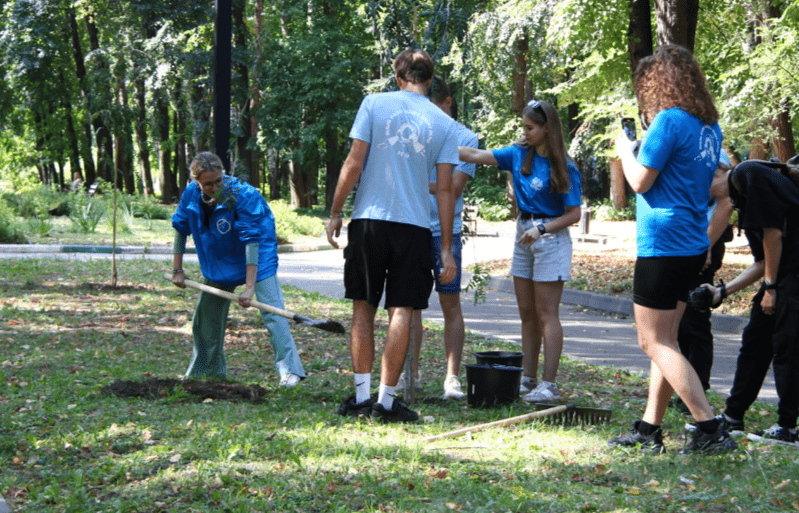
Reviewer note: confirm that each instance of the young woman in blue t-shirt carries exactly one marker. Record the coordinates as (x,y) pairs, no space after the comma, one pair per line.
(671,175)
(547,190)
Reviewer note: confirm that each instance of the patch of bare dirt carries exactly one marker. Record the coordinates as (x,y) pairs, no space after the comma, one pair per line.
(157,388)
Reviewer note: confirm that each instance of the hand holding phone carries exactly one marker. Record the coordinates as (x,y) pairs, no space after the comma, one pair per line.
(628,125)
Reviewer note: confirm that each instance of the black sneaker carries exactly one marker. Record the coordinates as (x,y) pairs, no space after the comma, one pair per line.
(350,408)
(728,424)
(399,413)
(777,432)
(702,442)
(652,443)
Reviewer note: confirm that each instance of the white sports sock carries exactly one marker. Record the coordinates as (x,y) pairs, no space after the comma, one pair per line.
(363,384)
(385,396)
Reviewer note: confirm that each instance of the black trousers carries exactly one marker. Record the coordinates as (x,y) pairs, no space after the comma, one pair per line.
(766,338)
(694,336)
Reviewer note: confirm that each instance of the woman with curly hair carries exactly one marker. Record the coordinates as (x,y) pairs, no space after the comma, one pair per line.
(547,188)
(671,176)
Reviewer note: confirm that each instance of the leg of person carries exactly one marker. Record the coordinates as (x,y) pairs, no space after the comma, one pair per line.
(552,254)
(208,330)
(409,281)
(522,268)
(657,336)
(531,329)
(754,360)
(416,349)
(454,331)
(287,359)
(695,339)
(364,276)
(786,358)
(547,304)
(454,334)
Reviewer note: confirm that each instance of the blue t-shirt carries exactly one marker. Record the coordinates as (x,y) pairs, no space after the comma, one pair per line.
(533,191)
(465,138)
(222,241)
(672,214)
(407,137)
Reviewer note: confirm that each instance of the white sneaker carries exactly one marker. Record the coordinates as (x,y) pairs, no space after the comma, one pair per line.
(417,384)
(289,380)
(527,385)
(452,389)
(544,393)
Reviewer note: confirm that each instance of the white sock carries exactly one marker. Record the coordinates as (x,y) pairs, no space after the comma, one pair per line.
(363,384)
(385,396)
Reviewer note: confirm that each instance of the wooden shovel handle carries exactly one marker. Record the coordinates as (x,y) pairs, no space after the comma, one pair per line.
(233,297)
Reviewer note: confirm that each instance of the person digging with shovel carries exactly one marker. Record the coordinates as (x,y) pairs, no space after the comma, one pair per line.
(234,233)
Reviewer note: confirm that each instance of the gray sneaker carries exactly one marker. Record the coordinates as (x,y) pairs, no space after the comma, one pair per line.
(527,385)
(777,432)
(543,393)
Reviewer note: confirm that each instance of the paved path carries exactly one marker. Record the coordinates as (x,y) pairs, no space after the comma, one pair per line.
(591,334)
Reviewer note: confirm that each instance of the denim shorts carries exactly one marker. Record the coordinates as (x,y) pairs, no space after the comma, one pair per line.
(548,259)
(453,287)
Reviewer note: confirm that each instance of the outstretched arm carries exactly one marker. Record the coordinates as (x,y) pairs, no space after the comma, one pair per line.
(475,156)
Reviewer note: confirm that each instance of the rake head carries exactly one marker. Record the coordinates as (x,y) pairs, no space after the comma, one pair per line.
(576,415)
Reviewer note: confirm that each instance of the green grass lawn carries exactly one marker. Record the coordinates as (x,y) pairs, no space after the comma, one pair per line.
(65,446)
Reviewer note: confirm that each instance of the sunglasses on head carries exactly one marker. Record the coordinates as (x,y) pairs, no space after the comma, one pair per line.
(536,104)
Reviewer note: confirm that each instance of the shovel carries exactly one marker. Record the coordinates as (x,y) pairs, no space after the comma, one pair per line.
(331,326)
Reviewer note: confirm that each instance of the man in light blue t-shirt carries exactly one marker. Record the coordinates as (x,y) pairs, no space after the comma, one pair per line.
(398,138)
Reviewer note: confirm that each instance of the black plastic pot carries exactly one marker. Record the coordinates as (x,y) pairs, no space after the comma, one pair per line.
(510,358)
(490,385)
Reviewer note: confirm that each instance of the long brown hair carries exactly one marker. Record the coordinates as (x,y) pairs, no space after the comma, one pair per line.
(671,78)
(541,112)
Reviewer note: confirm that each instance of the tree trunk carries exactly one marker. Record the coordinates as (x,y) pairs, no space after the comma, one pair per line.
(783,141)
(618,186)
(303,184)
(101,101)
(123,146)
(676,22)
(80,73)
(140,125)
(245,162)
(255,94)
(273,165)
(181,161)
(74,154)
(168,187)
(519,75)
(639,33)
(333,164)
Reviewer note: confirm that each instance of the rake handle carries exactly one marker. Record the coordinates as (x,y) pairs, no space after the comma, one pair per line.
(504,422)
(233,297)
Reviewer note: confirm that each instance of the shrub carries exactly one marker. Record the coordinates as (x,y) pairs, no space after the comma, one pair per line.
(40,225)
(85,212)
(9,231)
(289,225)
(149,209)
(605,211)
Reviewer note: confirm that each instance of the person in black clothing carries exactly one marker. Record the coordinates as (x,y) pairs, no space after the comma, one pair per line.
(768,209)
(694,335)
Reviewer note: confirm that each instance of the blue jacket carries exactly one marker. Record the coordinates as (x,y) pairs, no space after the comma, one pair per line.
(242,218)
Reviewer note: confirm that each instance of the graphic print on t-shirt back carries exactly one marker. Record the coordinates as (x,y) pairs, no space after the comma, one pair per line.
(709,147)
(410,130)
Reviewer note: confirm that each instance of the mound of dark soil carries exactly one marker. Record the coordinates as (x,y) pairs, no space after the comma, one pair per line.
(157,388)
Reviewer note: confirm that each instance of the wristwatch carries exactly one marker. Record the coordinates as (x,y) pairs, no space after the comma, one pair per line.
(541,228)
(769,286)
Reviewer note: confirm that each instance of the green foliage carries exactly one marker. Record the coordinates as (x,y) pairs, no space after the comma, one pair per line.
(479,282)
(9,231)
(149,208)
(289,225)
(85,212)
(40,225)
(604,211)
(487,191)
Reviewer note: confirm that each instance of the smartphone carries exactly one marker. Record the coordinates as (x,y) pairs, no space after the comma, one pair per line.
(628,124)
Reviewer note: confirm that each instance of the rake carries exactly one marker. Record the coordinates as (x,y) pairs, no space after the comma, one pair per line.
(567,413)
